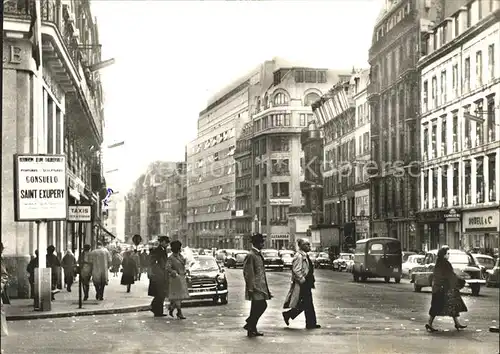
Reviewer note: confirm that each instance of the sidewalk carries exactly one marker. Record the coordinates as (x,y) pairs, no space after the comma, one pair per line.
(116,300)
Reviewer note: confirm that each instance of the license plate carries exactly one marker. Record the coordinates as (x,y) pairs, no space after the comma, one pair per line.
(396,269)
(197,290)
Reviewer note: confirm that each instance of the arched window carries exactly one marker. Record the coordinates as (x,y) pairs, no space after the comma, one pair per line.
(311,98)
(280,99)
(266,102)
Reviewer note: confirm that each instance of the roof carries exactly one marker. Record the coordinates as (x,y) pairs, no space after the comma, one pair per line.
(377,239)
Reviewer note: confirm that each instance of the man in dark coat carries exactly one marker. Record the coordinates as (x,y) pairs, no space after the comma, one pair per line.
(256,288)
(158,282)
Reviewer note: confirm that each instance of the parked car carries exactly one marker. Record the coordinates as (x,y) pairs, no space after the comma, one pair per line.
(463,264)
(405,255)
(322,260)
(377,257)
(485,262)
(272,259)
(493,275)
(235,259)
(287,257)
(414,260)
(206,280)
(342,261)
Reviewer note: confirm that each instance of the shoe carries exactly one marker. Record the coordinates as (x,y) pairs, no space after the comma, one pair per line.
(161,315)
(429,328)
(459,327)
(317,326)
(85,298)
(181,317)
(286,318)
(258,334)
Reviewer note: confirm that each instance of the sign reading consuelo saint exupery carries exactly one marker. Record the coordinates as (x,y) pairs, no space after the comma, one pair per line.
(40,187)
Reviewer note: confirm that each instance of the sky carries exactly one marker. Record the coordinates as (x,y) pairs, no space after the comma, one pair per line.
(172,56)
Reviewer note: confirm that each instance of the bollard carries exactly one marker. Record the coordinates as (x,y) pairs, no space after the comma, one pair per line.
(43,299)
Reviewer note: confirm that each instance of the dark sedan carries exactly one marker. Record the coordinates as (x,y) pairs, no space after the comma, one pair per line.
(207,280)
(272,259)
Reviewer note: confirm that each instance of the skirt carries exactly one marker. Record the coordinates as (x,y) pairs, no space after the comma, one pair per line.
(127,279)
(447,303)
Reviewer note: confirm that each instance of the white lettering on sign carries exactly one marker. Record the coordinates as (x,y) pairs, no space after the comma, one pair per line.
(81,213)
(41,187)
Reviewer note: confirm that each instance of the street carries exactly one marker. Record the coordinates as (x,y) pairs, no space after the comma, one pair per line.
(373,317)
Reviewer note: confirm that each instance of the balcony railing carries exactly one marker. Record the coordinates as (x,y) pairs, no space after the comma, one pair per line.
(57,13)
(279,222)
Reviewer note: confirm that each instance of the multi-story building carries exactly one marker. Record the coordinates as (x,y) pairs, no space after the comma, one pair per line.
(312,187)
(72,101)
(210,158)
(393,95)
(361,217)
(244,218)
(133,210)
(460,129)
(282,110)
(210,169)
(182,204)
(171,213)
(336,114)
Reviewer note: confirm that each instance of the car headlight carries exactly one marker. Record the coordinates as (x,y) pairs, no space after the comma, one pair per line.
(220,278)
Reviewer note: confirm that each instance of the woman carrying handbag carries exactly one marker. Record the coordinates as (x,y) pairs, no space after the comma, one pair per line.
(446,298)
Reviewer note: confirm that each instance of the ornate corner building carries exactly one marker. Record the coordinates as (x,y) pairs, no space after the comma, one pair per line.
(72,101)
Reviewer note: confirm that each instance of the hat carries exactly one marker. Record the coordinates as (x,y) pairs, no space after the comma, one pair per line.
(164,238)
(256,238)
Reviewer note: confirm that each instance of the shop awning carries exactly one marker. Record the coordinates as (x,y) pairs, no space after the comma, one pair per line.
(107,231)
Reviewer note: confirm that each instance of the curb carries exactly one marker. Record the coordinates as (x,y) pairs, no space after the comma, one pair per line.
(44,315)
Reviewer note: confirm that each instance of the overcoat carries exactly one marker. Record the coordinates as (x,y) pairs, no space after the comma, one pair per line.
(446,298)
(129,271)
(254,273)
(69,263)
(100,259)
(300,269)
(176,269)
(158,278)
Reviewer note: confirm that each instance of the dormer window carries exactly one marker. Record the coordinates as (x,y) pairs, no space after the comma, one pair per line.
(280,99)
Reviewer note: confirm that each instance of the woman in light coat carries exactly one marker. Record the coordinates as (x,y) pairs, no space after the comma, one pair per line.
(177,290)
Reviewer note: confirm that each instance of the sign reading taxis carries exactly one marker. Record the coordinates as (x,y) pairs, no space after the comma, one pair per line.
(80,213)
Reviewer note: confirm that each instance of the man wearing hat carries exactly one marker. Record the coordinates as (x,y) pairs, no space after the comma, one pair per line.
(256,289)
(158,281)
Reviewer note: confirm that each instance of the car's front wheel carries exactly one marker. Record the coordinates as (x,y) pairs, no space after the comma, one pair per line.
(223,299)
(417,288)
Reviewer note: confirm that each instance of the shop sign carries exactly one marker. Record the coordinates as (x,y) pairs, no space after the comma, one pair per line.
(452,216)
(482,221)
(280,201)
(40,187)
(280,237)
(80,213)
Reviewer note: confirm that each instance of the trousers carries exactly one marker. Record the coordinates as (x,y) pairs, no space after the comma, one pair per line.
(305,305)
(157,305)
(257,309)
(99,290)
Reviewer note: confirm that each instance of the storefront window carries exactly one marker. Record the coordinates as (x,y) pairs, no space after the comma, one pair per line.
(492,176)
